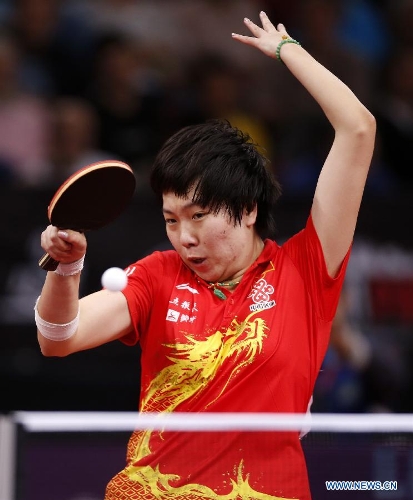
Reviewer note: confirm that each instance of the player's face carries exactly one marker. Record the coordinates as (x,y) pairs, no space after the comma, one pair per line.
(210,244)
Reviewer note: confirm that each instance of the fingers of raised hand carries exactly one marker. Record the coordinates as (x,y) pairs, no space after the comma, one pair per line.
(266,23)
(281,29)
(267,38)
(255,30)
(267,27)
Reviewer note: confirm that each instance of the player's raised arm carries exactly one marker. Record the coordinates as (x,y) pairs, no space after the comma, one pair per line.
(343,176)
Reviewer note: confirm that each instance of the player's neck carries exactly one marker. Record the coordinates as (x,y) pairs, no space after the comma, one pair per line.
(230,284)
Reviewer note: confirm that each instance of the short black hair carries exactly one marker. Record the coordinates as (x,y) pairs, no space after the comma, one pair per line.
(224,166)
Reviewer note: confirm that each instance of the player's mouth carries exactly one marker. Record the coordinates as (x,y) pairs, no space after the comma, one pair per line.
(196,261)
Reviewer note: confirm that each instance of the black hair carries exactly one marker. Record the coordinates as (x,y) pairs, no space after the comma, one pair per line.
(225,168)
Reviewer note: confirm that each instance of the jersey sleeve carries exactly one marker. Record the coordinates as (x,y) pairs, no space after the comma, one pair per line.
(147,282)
(305,250)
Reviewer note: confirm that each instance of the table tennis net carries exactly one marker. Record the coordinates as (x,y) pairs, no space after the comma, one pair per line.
(72,455)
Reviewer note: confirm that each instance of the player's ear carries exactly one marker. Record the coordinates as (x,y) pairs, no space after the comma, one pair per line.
(251,216)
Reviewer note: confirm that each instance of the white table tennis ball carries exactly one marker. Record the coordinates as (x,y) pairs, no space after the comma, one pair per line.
(114,279)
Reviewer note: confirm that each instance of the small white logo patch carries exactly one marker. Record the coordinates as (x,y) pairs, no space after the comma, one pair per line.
(185,286)
(172,315)
(262,305)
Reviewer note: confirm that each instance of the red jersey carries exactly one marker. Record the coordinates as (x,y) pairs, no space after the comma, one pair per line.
(260,350)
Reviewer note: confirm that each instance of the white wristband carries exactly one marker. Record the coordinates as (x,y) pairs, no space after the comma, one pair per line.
(53,331)
(71,268)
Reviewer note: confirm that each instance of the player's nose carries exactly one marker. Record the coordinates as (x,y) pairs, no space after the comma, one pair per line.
(188,236)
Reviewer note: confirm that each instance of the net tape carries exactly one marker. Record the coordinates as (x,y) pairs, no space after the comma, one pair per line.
(179,421)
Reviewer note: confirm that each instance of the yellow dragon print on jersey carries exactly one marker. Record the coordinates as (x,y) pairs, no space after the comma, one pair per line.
(194,365)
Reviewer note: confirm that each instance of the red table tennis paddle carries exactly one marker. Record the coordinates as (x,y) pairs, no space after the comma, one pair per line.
(89,199)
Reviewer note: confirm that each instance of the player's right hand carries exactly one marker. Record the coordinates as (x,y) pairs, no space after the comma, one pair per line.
(63,245)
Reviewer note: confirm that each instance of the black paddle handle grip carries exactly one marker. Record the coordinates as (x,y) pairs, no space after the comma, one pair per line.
(47,263)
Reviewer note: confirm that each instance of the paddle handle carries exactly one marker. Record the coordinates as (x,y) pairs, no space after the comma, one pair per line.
(47,263)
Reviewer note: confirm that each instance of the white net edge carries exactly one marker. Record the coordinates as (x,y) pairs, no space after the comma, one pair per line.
(58,421)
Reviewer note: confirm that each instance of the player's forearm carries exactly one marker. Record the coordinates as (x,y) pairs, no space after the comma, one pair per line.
(59,299)
(57,314)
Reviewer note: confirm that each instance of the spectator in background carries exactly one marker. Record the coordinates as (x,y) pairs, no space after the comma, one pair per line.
(74,143)
(24,122)
(394,111)
(363,29)
(399,16)
(181,29)
(217,88)
(341,385)
(136,20)
(182,34)
(129,110)
(365,368)
(56,46)
(198,20)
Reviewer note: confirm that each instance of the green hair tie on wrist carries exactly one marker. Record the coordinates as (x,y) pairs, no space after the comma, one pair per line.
(283,41)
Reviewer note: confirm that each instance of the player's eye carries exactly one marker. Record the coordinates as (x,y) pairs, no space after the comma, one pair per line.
(169,222)
(199,215)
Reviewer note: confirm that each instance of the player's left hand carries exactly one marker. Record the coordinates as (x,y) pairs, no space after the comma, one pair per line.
(266,38)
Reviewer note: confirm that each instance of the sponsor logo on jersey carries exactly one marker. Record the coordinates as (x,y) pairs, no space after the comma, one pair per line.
(261,295)
(130,270)
(185,286)
(172,315)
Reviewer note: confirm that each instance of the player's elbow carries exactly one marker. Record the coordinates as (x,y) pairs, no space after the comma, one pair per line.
(366,125)
(358,124)
(360,135)
(51,348)
(51,353)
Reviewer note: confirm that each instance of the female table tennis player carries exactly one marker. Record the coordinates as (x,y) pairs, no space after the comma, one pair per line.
(229,320)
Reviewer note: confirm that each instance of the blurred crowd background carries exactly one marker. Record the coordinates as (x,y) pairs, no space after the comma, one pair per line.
(87,80)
